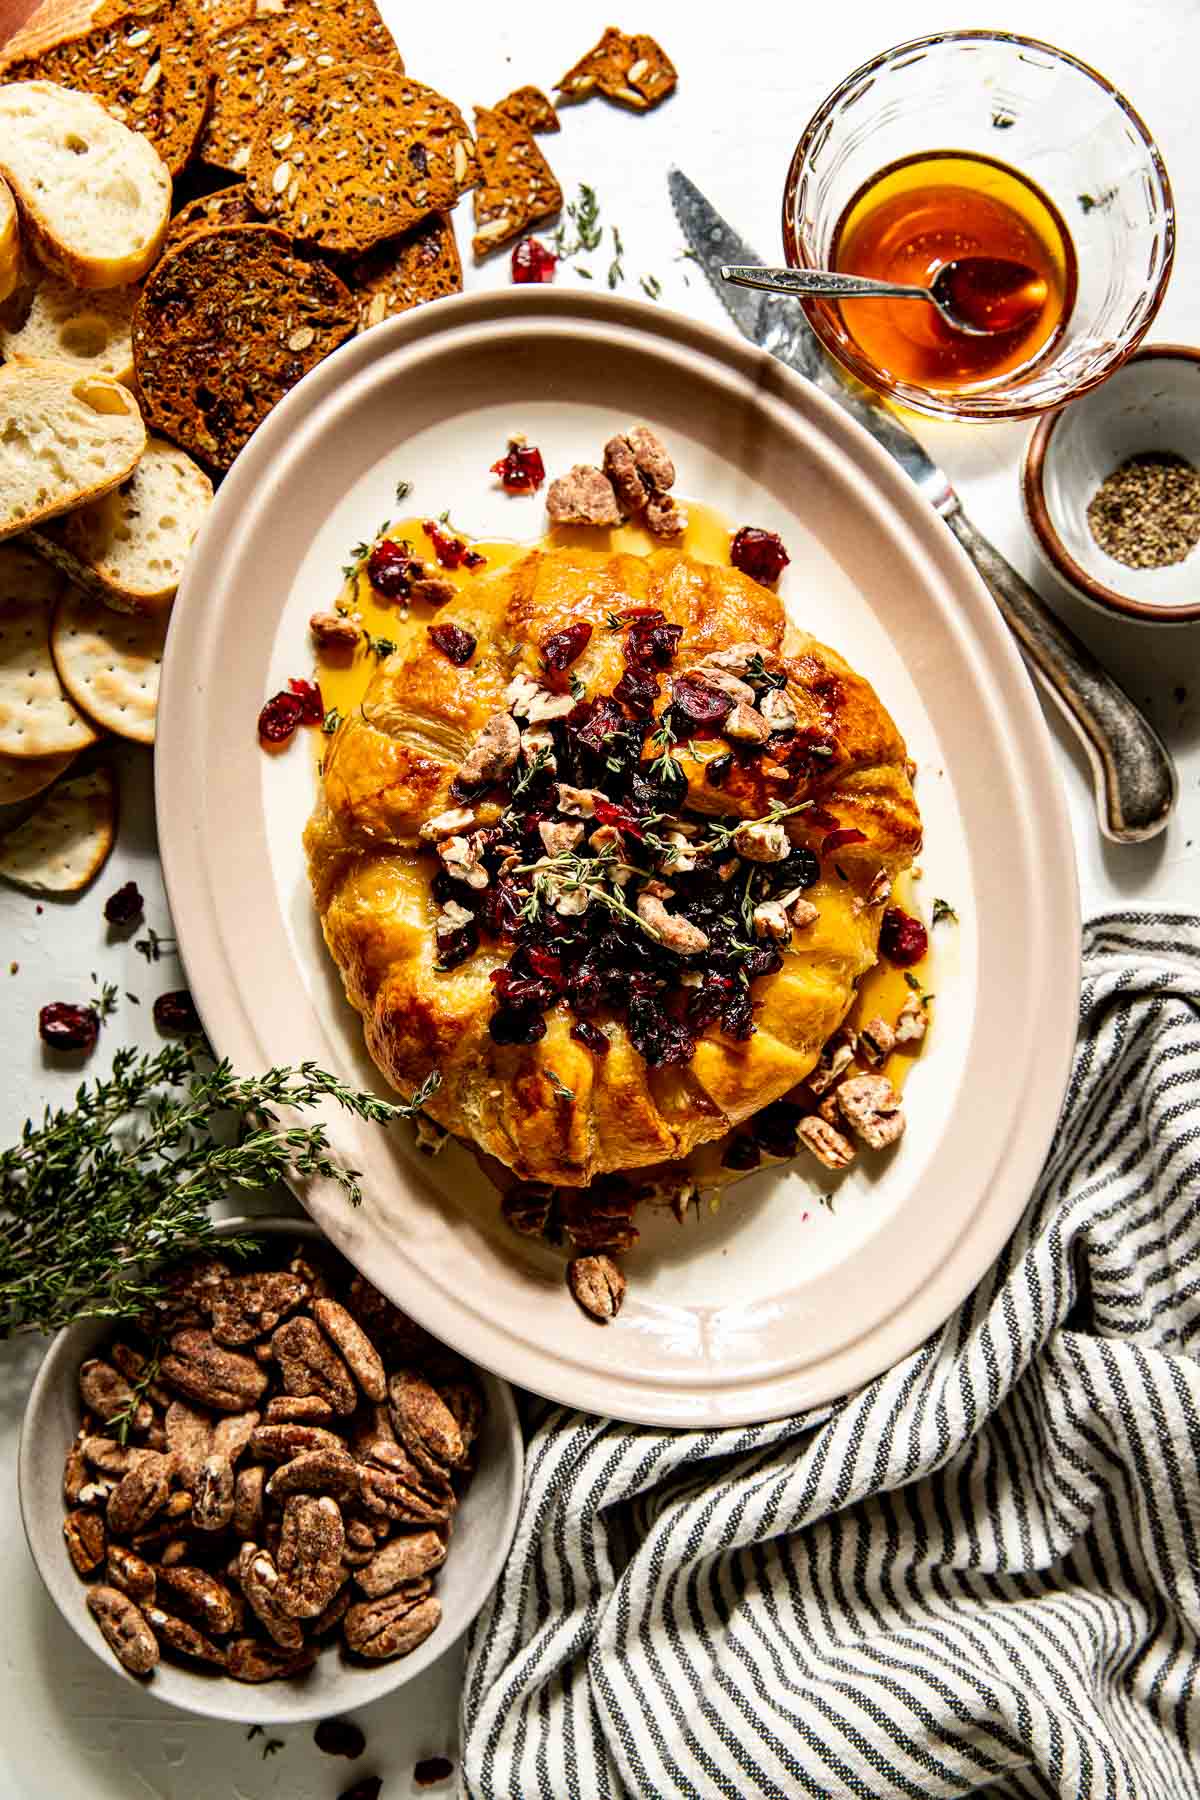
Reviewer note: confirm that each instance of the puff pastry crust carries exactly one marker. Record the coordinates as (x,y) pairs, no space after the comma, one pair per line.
(390,768)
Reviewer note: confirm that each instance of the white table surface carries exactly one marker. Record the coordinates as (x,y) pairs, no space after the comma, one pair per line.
(749,78)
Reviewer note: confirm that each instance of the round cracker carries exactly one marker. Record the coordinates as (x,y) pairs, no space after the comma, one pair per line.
(21,777)
(109,662)
(63,846)
(36,717)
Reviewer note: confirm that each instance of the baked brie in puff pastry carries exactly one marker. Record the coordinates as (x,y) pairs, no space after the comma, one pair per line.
(608,847)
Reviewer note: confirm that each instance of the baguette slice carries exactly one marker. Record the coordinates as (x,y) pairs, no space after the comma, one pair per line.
(65,438)
(10,242)
(49,320)
(94,198)
(128,548)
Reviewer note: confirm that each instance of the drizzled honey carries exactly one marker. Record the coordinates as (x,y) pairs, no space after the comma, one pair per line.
(919,214)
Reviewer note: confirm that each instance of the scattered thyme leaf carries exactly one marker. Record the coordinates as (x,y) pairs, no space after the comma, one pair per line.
(560,1087)
(530,773)
(104,999)
(578,691)
(379,646)
(943,910)
(614,622)
(331,721)
(651,286)
(153,947)
(271,1747)
(403,490)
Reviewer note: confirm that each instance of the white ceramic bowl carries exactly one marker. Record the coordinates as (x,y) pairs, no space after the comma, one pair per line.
(484,1527)
(1151,403)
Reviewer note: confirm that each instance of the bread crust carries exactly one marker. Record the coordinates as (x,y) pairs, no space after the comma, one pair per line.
(390,767)
(10,242)
(49,389)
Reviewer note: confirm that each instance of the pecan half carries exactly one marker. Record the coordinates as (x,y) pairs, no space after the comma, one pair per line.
(464,1402)
(124,1626)
(75,1474)
(310,1555)
(392,1626)
(332,1472)
(182,1638)
(212,1509)
(334,1613)
(405,1498)
(402,1560)
(202,1370)
(251,1660)
(85,1540)
(232,1433)
(356,1348)
(105,1391)
(298,1409)
(126,1570)
(201,1595)
(280,1442)
(597,1285)
(309,1365)
(827,1143)
(871,1106)
(248,1500)
(259,1579)
(110,1457)
(250,1306)
(189,1439)
(139,1495)
(424,1423)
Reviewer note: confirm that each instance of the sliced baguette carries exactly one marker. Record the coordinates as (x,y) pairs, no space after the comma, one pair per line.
(65,438)
(94,198)
(129,547)
(49,320)
(10,242)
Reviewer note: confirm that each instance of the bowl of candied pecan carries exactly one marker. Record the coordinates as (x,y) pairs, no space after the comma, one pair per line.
(272,1496)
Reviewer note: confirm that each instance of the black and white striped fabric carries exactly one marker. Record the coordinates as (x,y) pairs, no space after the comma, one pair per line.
(980,1574)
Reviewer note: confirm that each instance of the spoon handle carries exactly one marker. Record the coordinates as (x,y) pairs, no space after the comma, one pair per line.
(1134,776)
(826,284)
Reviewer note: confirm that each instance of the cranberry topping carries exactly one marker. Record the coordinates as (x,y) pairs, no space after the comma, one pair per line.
(66,1027)
(837,840)
(716,772)
(454,947)
(516,1025)
(531,261)
(637,690)
(698,705)
(759,554)
(312,707)
(594,722)
(125,906)
(562,648)
(591,1036)
(176,1011)
(279,718)
(650,641)
(902,939)
(453,642)
(521,469)
(391,569)
(799,868)
(451,551)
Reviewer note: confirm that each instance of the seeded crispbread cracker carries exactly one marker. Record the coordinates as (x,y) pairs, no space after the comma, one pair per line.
(528,106)
(63,846)
(49,319)
(225,326)
(228,206)
(21,777)
(262,61)
(634,70)
(147,64)
(422,265)
(36,717)
(356,156)
(518,186)
(109,663)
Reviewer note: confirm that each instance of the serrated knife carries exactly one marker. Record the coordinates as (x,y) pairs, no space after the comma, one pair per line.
(1134,776)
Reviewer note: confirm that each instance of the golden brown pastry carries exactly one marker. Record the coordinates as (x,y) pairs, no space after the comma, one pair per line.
(661,973)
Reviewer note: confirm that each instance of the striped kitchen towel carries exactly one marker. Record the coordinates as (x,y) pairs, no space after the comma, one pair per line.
(979,1574)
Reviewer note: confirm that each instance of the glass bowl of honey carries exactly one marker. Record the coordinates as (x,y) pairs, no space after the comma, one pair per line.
(982,143)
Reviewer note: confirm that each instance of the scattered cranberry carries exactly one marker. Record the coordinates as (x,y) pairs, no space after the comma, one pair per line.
(279,718)
(741,1152)
(638,690)
(521,469)
(698,704)
(177,1012)
(650,642)
(531,261)
(391,569)
(454,947)
(453,642)
(774,1128)
(340,1737)
(433,1770)
(126,906)
(516,1025)
(312,707)
(609,813)
(837,840)
(594,723)
(451,551)
(562,648)
(759,554)
(591,1036)
(902,939)
(66,1027)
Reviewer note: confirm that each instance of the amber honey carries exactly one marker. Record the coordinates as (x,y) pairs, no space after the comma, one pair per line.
(913,218)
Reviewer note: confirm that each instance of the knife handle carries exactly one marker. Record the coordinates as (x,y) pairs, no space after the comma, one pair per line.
(1134,776)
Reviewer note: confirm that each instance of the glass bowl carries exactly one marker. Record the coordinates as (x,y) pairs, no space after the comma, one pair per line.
(1055,121)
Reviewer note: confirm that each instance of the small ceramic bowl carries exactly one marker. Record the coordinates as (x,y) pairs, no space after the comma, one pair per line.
(1151,403)
(483,1531)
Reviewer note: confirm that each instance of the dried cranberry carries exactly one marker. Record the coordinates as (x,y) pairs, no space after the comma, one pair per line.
(432,1770)
(741,1152)
(799,868)
(638,690)
(760,961)
(661,1040)
(474,559)
(591,1037)
(521,469)
(545,963)
(651,640)
(392,569)
(594,722)
(521,991)
(902,939)
(716,772)
(609,813)
(759,554)
(453,642)
(737,1020)
(340,1737)
(561,648)
(450,551)
(66,1027)
(454,947)
(279,718)
(708,1002)
(775,1128)
(697,704)
(516,1025)
(837,840)
(502,903)
(312,707)
(531,261)
(125,906)
(176,1011)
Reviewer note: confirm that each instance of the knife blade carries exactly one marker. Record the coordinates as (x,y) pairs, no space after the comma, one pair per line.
(1134,777)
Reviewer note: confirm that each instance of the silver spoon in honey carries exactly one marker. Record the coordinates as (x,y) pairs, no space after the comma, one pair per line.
(981,296)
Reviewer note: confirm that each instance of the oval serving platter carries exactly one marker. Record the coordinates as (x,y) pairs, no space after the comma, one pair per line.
(795,1291)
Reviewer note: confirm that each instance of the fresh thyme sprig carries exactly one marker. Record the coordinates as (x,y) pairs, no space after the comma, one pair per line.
(530,773)
(942,909)
(154,946)
(723,831)
(361,552)
(97,1194)
(584,215)
(570,873)
(120,1423)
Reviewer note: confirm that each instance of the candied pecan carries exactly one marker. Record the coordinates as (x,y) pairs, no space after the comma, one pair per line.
(133,1366)
(464,1401)
(333,631)
(671,930)
(835,1058)
(110,1457)
(424,1424)
(391,1626)
(131,1573)
(620,466)
(665,517)
(189,1439)
(203,1370)
(182,1638)
(333,1614)
(584,497)
(652,457)
(85,1540)
(104,1390)
(762,840)
(251,1660)
(260,1583)
(75,1475)
(356,1348)
(212,1508)
(826,1142)
(601,1217)
(249,1306)
(597,1285)
(876,1041)
(871,1106)
(316,1472)
(201,1595)
(173,1552)
(403,1497)
(912,1021)
(310,1555)
(248,1489)
(124,1626)
(232,1434)
(139,1495)
(404,1559)
(279,1442)
(494,753)
(298,1409)
(309,1365)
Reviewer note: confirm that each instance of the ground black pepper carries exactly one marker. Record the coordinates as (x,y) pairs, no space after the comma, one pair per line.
(1146,514)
